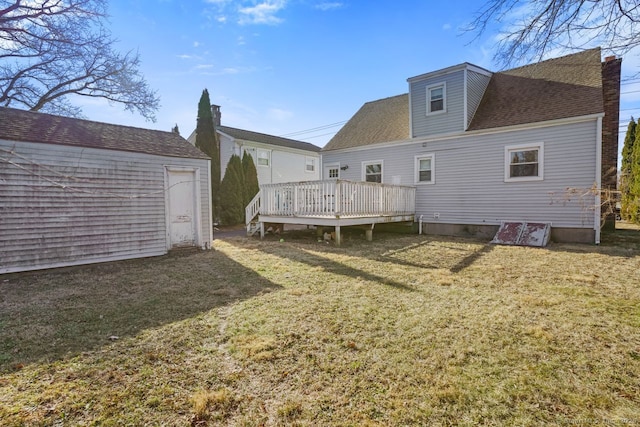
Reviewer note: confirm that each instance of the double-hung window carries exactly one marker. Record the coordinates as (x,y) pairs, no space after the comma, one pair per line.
(310,164)
(425,169)
(436,98)
(524,162)
(264,158)
(372,171)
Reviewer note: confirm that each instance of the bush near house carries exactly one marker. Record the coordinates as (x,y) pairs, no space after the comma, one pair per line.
(251,185)
(232,193)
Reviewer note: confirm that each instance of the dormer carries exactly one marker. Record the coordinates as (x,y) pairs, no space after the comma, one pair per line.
(445,101)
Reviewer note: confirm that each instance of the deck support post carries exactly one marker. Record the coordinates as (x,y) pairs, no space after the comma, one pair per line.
(369,233)
(319,231)
(337,235)
(261,230)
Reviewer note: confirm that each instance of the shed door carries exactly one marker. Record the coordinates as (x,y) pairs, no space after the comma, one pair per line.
(182,208)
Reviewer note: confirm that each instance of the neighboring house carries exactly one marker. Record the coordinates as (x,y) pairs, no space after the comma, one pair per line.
(527,144)
(76,192)
(277,159)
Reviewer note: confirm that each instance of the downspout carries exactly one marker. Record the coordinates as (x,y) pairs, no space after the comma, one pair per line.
(597,212)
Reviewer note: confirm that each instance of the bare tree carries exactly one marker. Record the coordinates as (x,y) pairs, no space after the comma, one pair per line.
(53,49)
(531,28)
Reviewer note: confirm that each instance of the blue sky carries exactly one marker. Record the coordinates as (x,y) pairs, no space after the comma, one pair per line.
(285,66)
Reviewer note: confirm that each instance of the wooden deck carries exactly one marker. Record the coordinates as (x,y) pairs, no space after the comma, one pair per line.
(331,203)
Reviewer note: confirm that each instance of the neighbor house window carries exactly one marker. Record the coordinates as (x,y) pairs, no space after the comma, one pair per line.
(372,171)
(436,101)
(264,157)
(334,173)
(310,165)
(524,162)
(425,169)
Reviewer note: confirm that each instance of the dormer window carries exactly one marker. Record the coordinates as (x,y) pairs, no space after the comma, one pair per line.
(436,99)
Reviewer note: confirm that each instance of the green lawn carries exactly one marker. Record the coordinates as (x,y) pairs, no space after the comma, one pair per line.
(404,330)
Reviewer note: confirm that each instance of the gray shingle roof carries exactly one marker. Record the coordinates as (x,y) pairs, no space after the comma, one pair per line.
(20,125)
(569,86)
(376,121)
(247,135)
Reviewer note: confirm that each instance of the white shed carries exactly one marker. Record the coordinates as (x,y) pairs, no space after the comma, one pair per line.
(77,192)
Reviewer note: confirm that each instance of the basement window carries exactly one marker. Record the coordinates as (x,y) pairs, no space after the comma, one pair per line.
(524,162)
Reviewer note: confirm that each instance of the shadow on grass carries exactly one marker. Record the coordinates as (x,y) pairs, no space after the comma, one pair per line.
(306,257)
(48,315)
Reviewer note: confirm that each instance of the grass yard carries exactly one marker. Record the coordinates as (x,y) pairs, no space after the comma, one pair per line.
(405,330)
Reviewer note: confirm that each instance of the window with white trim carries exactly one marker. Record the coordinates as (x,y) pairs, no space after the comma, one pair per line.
(524,162)
(264,158)
(372,171)
(310,164)
(425,169)
(334,172)
(436,98)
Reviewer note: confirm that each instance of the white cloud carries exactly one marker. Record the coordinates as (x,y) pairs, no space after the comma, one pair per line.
(329,6)
(262,13)
(196,44)
(279,114)
(221,19)
(204,66)
(184,56)
(446,27)
(241,41)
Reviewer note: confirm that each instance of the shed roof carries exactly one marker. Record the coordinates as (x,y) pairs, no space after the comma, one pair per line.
(263,138)
(569,86)
(30,126)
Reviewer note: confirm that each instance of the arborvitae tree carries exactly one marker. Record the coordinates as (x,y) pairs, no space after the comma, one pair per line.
(251,186)
(232,193)
(207,141)
(634,184)
(626,177)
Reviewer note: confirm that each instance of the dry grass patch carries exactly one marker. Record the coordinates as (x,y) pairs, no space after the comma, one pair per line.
(405,330)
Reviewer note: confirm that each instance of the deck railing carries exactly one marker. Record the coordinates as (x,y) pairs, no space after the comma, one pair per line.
(336,198)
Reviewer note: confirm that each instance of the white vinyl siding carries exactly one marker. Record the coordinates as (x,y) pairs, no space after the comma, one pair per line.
(76,205)
(476,85)
(470,185)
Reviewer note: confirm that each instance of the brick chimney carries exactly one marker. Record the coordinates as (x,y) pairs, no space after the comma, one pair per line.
(215,112)
(611,69)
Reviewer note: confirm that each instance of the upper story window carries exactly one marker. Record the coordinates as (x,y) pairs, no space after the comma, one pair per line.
(524,162)
(436,98)
(372,171)
(310,164)
(425,169)
(264,157)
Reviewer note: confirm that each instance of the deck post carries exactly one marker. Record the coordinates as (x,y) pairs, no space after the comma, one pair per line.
(369,233)
(337,235)
(261,230)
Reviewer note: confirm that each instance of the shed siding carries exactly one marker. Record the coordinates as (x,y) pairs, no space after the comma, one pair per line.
(469,176)
(447,122)
(64,205)
(476,85)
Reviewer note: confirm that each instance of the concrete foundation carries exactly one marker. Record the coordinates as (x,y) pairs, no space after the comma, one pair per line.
(558,234)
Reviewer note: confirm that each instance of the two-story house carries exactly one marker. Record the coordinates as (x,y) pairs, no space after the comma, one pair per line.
(277,159)
(535,143)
